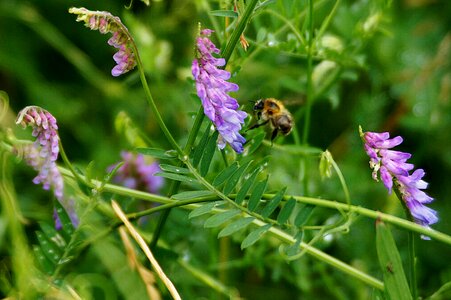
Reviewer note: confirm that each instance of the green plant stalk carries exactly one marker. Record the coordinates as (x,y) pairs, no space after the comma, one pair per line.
(153,106)
(326,258)
(310,92)
(22,266)
(399,222)
(173,189)
(289,239)
(228,50)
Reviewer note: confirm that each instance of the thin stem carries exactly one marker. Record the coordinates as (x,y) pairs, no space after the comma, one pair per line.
(228,50)
(310,92)
(71,168)
(176,184)
(326,258)
(152,104)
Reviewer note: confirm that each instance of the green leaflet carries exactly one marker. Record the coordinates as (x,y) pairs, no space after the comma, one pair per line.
(224,13)
(49,249)
(273,203)
(221,218)
(206,208)
(43,261)
(225,174)
(233,181)
(245,188)
(174,169)
(176,177)
(53,235)
(235,226)
(199,150)
(68,228)
(255,236)
(304,213)
(157,153)
(257,194)
(396,286)
(207,156)
(286,211)
(191,195)
(255,143)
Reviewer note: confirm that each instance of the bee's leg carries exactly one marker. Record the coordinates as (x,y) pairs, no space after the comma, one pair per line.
(256,125)
(274,134)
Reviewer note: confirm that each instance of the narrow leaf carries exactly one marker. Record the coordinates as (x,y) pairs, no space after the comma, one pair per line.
(206,208)
(233,181)
(191,195)
(208,154)
(255,236)
(255,143)
(235,226)
(294,248)
(176,177)
(224,13)
(395,281)
(257,194)
(43,261)
(53,235)
(174,169)
(68,227)
(225,174)
(273,203)
(199,150)
(221,218)
(157,153)
(50,250)
(304,213)
(286,211)
(245,188)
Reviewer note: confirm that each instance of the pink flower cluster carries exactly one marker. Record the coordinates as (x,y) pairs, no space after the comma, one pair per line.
(394,172)
(212,88)
(42,155)
(105,22)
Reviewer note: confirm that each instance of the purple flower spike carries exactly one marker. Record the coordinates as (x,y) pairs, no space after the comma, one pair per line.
(43,153)
(395,173)
(136,173)
(105,22)
(212,88)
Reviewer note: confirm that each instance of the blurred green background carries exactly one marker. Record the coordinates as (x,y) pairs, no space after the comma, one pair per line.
(386,68)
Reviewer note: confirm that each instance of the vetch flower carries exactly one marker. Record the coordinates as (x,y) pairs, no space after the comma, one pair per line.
(43,153)
(136,173)
(105,22)
(395,173)
(212,88)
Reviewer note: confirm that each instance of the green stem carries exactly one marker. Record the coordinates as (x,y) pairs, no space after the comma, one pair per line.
(176,184)
(152,104)
(310,92)
(326,258)
(66,161)
(402,223)
(228,50)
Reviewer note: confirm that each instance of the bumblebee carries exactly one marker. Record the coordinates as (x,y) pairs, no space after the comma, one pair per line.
(273,111)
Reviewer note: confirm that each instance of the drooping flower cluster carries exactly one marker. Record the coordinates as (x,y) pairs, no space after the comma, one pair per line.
(395,173)
(43,153)
(212,88)
(136,173)
(105,22)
